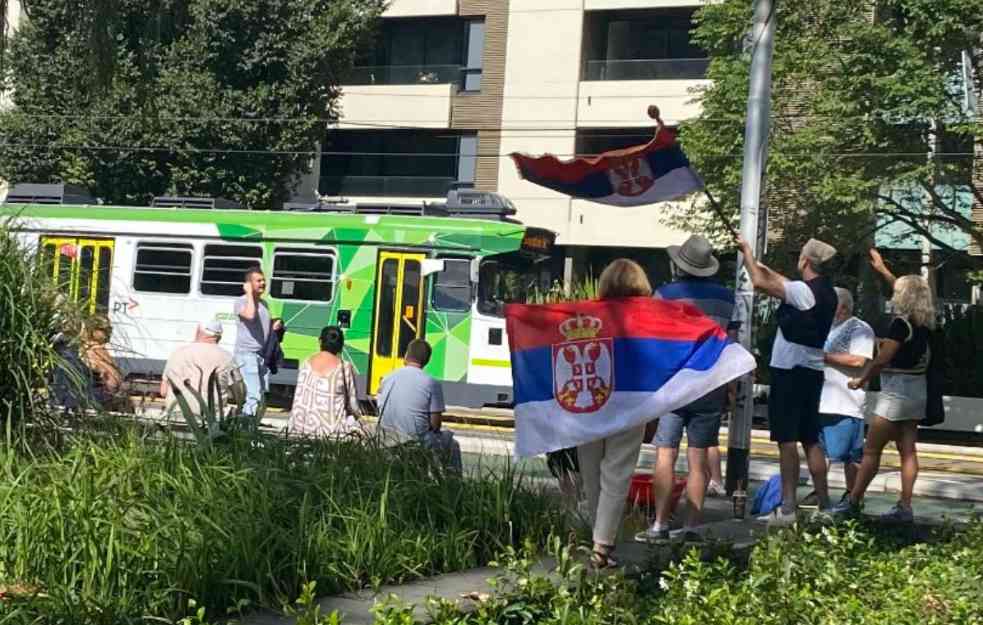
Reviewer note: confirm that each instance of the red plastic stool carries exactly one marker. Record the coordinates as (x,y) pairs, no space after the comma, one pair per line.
(641,494)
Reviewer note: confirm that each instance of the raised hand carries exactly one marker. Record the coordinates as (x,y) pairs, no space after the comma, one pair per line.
(876,260)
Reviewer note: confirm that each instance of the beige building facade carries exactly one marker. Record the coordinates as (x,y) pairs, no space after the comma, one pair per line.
(454,86)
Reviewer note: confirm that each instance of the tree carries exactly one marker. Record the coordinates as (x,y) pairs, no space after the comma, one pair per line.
(862,93)
(135,99)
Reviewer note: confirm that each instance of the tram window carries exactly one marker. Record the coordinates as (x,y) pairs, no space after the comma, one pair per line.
(102,287)
(160,268)
(306,275)
(387,307)
(48,258)
(224,268)
(452,286)
(411,315)
(86,261)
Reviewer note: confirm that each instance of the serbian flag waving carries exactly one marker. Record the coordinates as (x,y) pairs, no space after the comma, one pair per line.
(582,371)
(655,172)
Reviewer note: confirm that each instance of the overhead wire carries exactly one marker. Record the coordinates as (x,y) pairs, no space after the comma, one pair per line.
(174,149)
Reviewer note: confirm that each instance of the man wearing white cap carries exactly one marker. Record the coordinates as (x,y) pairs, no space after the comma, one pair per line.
(797,363)
(192,365)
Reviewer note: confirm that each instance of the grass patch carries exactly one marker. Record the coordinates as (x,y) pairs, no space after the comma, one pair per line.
(819,575)
(120,529)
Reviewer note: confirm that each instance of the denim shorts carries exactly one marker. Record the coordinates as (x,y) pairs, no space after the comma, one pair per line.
(702,429)
(842,437)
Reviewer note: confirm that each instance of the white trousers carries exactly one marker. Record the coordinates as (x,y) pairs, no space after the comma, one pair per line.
(606,467)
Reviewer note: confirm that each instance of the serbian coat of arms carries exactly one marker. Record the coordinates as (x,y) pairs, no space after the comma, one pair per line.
(583,366)
(632,176)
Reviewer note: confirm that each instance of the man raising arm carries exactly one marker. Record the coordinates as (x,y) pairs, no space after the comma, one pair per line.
(797,361)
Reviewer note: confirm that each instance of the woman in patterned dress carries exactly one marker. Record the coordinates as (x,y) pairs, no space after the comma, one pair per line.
(326,399)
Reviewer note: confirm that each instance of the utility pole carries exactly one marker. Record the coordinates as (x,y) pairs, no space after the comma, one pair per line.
(755,156)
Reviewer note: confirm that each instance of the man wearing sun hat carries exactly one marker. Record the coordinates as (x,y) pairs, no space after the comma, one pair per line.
(192,365)
(797,362)
(694,267)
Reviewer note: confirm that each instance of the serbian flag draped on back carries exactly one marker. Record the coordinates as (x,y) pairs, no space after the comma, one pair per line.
(582,371)
(655,172)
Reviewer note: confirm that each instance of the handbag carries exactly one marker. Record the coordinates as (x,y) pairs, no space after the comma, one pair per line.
(935,380)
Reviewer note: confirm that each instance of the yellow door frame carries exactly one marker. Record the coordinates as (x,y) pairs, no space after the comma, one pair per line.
(412,312)
(96,275)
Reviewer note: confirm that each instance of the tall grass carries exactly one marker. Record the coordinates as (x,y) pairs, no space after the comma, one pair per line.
(31,314)
(27,323)
(584,289)
(116,530)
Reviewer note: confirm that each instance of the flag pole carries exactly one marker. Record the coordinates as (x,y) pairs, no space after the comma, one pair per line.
(720,213)
(755,156)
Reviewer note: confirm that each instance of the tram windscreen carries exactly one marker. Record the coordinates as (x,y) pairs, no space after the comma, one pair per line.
(509,279)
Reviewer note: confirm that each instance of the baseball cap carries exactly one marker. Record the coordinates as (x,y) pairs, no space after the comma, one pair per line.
(212,327)
(818,252)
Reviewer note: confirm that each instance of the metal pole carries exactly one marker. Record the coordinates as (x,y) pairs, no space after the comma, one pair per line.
(755,156)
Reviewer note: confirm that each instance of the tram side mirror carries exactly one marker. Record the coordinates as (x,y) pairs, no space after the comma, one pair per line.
(475,268)
(431,266)
(344,319)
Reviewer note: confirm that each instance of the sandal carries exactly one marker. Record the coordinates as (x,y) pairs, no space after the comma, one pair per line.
(600,558)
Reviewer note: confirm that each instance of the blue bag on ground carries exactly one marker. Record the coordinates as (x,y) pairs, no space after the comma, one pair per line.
(768,497)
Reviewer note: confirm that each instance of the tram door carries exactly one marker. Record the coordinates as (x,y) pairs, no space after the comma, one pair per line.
(81,269)
(399,314)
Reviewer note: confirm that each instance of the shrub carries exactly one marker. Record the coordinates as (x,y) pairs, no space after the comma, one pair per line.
(824,575)
(116,530)
(31,314)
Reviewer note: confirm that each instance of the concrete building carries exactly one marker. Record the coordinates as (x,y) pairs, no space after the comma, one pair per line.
(453,86)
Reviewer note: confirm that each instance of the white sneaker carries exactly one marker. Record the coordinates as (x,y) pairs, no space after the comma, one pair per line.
(715,489)
(777,518)
(654,534)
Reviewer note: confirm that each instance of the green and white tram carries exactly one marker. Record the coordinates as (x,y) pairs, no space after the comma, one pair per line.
(384,276)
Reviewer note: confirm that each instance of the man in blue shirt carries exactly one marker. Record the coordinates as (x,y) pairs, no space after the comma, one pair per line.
(411,405)
(694,267)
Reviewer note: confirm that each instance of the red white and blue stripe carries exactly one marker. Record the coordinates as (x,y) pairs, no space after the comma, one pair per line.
(583,371)
(655,172)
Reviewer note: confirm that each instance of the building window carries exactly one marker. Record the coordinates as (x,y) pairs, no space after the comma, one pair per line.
(397,163)
(642,45)
(224,268)
(452,286)
(163,268)
(306,275)
(474,58)
(414,50)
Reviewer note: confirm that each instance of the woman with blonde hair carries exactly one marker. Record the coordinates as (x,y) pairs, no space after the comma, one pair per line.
(902,362)
(606,465)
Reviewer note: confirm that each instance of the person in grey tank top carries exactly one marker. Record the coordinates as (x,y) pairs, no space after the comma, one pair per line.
(252,330)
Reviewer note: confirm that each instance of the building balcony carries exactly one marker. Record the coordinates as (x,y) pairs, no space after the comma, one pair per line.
(604,102)
(416,105)
(647,69)
(405,75)
(420,8)
(387,186)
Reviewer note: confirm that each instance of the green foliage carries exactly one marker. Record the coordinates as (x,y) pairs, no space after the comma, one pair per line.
(31,315)
(135,99)
(586,289)
(853,103)
(119,529)
(840,574)
(307,611)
